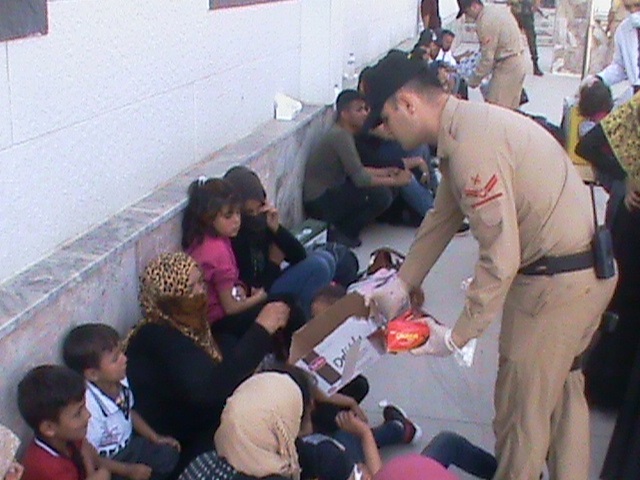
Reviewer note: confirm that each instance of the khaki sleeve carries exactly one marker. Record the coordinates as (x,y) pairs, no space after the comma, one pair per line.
(438,227)
(487,199)
(488,34)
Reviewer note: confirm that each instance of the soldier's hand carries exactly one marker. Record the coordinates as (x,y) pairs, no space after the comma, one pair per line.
(589,81)
(437,342)
(391,298)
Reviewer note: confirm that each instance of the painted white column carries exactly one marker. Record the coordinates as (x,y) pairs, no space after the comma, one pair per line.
(321,50)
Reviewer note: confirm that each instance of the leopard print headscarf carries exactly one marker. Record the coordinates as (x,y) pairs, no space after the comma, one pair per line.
(622,128)
(164,277)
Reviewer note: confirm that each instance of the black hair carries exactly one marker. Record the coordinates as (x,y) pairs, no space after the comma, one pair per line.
(362,80)
(594,99)
(418,53)
(345,99)
(303,380)
(426,38)
(84,345)
(206,199)
(45,391)
(444,32)
(425,81)
(330,293)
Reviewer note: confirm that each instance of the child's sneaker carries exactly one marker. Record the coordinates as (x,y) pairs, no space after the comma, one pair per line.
(390,412)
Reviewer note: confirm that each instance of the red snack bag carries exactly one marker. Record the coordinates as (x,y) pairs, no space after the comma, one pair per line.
(404,333)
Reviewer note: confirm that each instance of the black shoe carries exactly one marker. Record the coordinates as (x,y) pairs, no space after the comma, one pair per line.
(536,70)
(335,235)
(412,432)
(464,228)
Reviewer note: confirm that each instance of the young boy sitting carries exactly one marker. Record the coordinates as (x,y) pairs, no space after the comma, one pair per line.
(129,447)
(51,401)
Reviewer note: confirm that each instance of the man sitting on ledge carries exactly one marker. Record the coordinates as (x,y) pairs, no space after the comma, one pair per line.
(337,187)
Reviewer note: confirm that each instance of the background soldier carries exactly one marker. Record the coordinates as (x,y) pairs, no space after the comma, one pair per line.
(500,52)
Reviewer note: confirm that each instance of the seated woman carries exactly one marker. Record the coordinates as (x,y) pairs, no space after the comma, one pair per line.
(258,431)
(180,376)
(263,244)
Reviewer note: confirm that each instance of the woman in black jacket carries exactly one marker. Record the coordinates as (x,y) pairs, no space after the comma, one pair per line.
(263,245)
(180,376)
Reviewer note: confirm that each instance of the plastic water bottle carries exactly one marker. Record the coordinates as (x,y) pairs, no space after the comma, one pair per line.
(349,77)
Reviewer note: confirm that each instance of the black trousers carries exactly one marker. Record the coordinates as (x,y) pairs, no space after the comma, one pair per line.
(526,22)
(323,416)
(350,208)
(161,458)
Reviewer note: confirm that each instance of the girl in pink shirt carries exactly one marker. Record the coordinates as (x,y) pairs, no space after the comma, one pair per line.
(211,218)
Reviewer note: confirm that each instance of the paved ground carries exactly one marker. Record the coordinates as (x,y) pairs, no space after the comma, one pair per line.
(437,393)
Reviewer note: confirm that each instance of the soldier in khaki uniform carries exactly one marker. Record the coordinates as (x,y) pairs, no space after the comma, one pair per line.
(501,52)
(531,215)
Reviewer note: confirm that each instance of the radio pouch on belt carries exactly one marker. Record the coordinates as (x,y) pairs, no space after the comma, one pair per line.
(601,245)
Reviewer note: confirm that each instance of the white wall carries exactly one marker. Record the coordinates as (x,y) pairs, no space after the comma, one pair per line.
(120,96)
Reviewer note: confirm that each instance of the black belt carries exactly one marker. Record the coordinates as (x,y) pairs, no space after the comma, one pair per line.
(636,88)
(513,55)
(555,265)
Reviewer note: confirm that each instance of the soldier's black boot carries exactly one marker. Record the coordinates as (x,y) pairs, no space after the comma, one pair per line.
(536,69)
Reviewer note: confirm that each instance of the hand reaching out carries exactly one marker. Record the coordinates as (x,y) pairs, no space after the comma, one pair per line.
(349,422)
(273,316)
(632,198)
(172,442)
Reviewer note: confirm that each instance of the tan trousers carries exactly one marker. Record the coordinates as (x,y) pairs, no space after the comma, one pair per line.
(541,411)
(507,79)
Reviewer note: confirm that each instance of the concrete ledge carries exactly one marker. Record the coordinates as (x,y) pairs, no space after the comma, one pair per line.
(95,276)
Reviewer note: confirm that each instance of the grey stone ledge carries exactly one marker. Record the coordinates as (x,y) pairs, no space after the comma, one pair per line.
(31,290)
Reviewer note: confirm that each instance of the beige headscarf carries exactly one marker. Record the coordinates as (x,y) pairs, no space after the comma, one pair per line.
(9,444)
(166,277)
(259,425)
(622,128)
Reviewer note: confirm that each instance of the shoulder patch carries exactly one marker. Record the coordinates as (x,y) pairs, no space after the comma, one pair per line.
(480,194)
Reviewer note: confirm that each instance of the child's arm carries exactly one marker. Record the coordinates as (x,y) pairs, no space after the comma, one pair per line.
(134,471)
(339,400)
(232,306)
(142,428)
(349,422)
(100,474)
(94,464)
(91,460)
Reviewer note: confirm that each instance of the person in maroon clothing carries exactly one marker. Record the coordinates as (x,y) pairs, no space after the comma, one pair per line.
(430,13)
(180,376)
(51,399)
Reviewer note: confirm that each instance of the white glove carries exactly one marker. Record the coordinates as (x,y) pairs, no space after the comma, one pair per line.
(391,298)
(437,344)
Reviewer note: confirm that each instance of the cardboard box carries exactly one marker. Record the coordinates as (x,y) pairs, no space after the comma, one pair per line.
(338,344)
